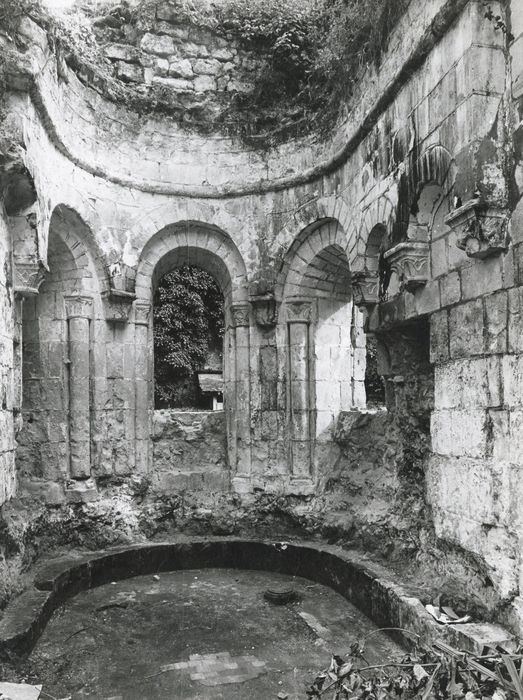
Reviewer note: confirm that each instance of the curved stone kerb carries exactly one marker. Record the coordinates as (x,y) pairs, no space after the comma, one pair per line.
(367,585)
(195,243)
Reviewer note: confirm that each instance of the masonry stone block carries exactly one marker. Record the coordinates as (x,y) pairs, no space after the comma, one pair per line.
(515,319)
(181,68)
(459,433)
(159,44)
(481,278)
(439,336)
(496,323)
(466,327)
(450,289)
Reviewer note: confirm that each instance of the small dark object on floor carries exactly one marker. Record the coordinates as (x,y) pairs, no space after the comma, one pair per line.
(281,596)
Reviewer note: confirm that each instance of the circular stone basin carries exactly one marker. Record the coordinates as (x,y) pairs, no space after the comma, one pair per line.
(199,634)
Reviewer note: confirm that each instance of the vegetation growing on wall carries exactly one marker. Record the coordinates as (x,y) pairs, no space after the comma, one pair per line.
(188,333)
(315,53)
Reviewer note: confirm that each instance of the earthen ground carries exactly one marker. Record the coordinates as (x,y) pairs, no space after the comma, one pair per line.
(199,634)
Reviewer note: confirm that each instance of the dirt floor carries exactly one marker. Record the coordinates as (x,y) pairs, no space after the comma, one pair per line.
(198,635)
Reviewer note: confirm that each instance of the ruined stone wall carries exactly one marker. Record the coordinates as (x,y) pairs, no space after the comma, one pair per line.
(307,241)
(189,451)
(195,70)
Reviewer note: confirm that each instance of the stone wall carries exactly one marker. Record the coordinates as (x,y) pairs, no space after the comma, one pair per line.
(9,377)
(189,451)
(406,223)
(197,70)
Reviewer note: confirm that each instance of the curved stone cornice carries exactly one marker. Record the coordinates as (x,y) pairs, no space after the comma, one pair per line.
(432,34)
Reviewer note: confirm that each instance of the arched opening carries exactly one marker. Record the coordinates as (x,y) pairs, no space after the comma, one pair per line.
(375,264)
(54,444)
(326,344)
(189,325)
(189,445)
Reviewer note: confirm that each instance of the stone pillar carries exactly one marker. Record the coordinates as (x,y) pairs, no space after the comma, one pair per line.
(240,433)
(143,349)
(18,362)
(79,311)
(299,316)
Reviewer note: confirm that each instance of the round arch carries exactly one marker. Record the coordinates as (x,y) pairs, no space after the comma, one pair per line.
(76,235)
(199,244)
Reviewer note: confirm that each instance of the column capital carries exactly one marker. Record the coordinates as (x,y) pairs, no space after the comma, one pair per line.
(365,288)
(28,276)
(299,310)
(240,314)
(142,311)
(78,306)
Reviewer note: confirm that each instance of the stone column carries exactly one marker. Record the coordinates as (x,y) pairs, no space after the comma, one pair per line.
(79,311)
(299,316)
(18,362)
(143,349)
(241,418)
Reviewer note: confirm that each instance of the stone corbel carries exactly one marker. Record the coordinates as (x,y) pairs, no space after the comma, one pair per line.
(28,276)
(365,288)
(118,305)
(265,310)
(482,231)
(410,261)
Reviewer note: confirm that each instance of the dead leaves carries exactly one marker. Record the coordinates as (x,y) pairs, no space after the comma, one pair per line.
(441,673)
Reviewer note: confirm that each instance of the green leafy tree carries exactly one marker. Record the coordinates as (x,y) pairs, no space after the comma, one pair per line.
(188,330)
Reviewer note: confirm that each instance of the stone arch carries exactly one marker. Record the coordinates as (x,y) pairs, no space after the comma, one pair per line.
(209,247)
(58,383)
(204,245)
(312,214)
(435,165)
(323,334)
(378,218)
(75,233)
(307,245)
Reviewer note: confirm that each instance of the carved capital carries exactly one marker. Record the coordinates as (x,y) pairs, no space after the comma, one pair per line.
(481,230)
(117,305)
(28,276)
(78,307)
(299,311)
(365,288)
(240,315)
(142,311)
(265,310)
(410,261)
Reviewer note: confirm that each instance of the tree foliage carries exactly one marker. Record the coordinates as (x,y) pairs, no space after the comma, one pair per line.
(188,327)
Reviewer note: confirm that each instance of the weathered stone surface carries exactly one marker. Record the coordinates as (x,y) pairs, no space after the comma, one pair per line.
(129,72)
(181,68)
(466,329)
(158,44)
(122,52)
(204,83)
(173,83)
